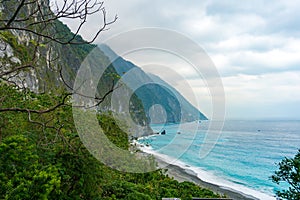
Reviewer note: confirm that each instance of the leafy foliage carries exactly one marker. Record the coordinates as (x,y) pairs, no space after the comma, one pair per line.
(41,154)
(20,50)
(289,172)
(22,176)
(48,161)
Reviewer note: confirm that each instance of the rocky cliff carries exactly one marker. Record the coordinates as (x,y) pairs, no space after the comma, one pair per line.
(174,108)
(55,64)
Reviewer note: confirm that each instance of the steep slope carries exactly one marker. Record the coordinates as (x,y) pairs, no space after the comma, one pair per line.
(21,46)
(190,113)
(154,90)
(41,155)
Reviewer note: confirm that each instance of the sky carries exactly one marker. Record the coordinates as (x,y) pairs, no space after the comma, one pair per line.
(254,44)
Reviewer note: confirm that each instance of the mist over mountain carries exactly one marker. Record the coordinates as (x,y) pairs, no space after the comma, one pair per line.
(162,102)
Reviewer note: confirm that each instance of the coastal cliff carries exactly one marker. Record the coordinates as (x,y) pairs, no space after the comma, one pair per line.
(155,91)
(41,154)
(57,64)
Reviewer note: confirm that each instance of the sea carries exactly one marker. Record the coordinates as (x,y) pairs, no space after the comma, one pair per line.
(241,157)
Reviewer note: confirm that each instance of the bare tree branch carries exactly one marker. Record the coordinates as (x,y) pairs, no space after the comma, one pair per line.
(39,21)
(16,13)
(79,9)
(21,67)
(62,103)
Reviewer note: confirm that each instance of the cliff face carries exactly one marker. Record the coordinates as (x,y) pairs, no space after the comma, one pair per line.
(155,91)
(51,59)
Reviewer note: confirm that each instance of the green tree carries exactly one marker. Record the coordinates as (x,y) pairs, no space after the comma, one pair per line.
(289,172)
(21,174)
(52,163)
(41,154)
(37,37)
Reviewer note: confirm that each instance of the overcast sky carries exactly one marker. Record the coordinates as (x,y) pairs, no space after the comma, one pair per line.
(255,45)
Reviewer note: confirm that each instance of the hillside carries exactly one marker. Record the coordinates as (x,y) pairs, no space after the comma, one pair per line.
(41,154)
(56,64)
(50,162)
(153,91)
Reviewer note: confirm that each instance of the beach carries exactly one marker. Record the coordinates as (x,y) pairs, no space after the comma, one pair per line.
(240,163)
(182,172)
(181,175)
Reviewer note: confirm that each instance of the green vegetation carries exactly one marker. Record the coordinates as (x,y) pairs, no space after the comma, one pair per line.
(289,172)
(46,159)
(41,154)
(21,51)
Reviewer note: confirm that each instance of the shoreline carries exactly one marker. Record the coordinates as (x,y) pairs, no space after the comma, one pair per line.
(183,172)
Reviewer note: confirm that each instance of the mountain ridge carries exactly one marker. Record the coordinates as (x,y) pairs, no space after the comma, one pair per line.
(57,65)
(153,90)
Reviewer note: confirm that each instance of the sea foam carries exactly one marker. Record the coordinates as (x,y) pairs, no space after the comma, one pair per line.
(208,176)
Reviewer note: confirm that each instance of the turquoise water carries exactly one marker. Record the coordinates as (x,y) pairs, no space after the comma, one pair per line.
(245,153)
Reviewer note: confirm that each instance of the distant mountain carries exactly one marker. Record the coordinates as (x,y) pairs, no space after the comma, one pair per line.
(152,90)
(16,49)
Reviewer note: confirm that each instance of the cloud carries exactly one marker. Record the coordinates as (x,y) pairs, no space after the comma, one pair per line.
(261,96)
(254,44)
(256,55)
(266,87)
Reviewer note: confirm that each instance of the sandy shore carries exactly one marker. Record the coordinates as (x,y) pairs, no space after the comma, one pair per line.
(181,175)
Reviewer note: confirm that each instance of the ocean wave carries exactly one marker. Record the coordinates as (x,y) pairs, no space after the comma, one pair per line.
(209,177)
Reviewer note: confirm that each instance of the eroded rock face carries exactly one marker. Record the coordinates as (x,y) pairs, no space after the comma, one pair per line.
(50,57)
(9,61)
